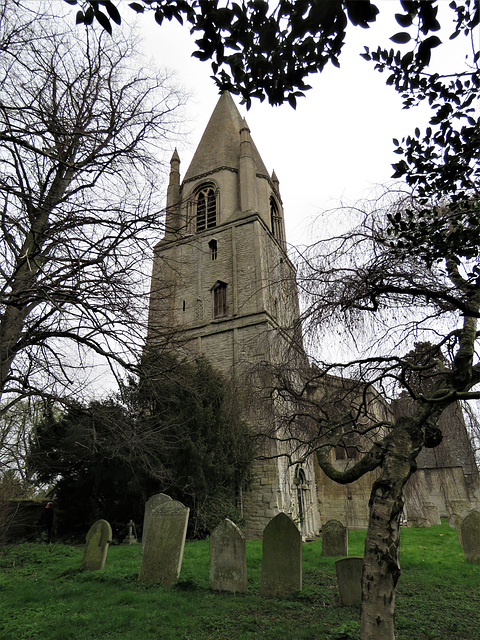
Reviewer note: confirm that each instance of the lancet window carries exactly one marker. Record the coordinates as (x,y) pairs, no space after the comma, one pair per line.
(219,300)
(276,219)
(206,209)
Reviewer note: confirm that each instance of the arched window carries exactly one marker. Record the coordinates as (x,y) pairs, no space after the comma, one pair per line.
(219,300)
(301,482)
(213,246)
(276,219)
(206,213)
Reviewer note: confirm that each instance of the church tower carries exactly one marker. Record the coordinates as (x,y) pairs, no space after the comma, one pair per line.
(224,287)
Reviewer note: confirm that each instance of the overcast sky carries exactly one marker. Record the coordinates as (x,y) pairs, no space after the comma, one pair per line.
(337,145)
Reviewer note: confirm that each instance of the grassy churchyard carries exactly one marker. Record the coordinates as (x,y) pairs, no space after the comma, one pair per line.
(44,594)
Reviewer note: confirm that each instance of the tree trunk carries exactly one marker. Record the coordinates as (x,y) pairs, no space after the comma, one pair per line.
(381,567)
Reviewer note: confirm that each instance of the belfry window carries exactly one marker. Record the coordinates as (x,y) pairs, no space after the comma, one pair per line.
(219,300)
(206,214)
(276,220)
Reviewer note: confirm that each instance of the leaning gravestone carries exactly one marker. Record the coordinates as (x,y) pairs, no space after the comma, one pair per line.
(228,558)
(349,580)
(334,539)
(151,503)
(164,544)
(99,537)
(470,529)
(281,557)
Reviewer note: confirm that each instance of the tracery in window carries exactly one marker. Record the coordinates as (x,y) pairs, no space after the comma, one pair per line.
(219,300)
(213,246)
(276,219)
(206,213)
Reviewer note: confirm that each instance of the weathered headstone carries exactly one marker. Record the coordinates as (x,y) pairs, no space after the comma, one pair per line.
(431,513)
(228,558)
(349,580)
(470,530)
(151,503)
(99,537)
(456,508)
(281,557)
(334,539)
(421,523)
(164,544)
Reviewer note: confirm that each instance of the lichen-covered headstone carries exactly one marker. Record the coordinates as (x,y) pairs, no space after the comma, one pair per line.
(163,551)
(334,539)
(349,580)
(99,537)
(281,557)
(151,503)
(228,559)
(470,530)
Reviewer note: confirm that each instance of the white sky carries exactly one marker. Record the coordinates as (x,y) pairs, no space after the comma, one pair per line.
(337,145)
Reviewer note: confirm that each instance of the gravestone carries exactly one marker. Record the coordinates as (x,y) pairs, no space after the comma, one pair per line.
(99,537)
(420,522)
(131,537)
(349,580)
(458,528)
(228,558)
(151,503)
(334,539)
(164,544)
(431,513)
(470,530)
(281,557)
(456,508)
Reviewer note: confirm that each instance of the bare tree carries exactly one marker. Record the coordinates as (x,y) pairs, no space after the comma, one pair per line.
(473,427)
(82,138)
(361,289)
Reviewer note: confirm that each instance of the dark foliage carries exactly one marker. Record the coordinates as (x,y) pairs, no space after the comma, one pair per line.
(441,164)
(175,432)
(267,50)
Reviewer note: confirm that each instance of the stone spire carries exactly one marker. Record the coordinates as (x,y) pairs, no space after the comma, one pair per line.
(220,143)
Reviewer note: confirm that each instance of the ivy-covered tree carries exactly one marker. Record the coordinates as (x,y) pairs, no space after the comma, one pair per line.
(177,432)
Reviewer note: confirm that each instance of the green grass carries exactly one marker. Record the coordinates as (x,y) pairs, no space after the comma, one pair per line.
(43,596)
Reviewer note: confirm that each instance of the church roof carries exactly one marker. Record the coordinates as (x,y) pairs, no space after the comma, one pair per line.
(220,143)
